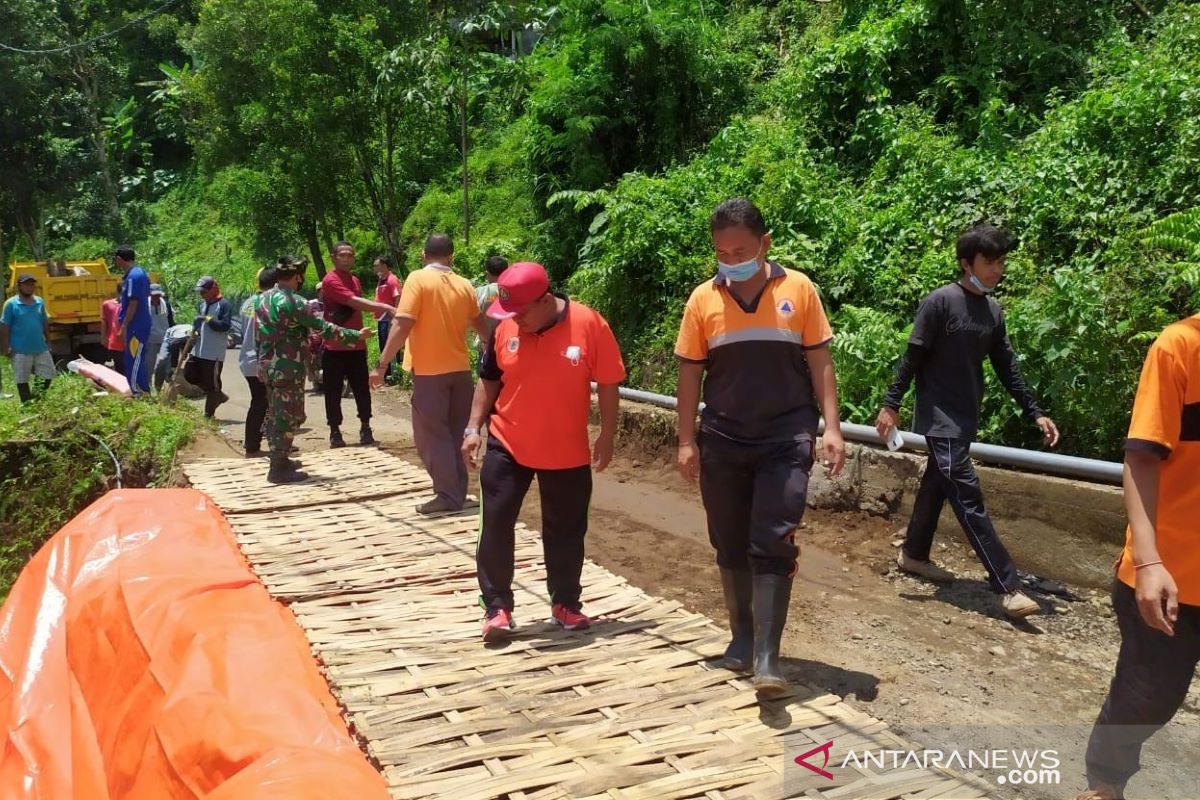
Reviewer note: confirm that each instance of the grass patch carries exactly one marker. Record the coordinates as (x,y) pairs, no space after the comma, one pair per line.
(52,466)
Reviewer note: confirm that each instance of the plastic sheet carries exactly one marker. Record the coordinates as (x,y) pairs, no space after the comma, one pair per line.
(141,658)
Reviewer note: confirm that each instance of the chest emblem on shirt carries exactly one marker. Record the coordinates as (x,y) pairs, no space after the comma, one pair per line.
(786,307)
(514,344)
(572,354)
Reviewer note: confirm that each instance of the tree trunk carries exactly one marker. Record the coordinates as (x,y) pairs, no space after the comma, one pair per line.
(91,93)
(387,229)
(308,227)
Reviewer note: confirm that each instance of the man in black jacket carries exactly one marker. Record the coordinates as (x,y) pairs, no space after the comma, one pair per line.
(956,327)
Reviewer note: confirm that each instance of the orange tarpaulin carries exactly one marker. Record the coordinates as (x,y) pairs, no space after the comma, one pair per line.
(141,658)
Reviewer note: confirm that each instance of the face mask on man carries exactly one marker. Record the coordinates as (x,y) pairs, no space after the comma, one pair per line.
(740,272)
(978,284)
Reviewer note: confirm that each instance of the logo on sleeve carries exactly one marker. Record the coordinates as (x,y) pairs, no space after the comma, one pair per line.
(514,344)
(786,307)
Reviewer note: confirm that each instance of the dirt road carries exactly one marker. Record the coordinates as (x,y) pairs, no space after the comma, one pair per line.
(939,664)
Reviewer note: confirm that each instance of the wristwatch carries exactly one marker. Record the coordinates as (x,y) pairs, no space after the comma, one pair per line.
(470,432)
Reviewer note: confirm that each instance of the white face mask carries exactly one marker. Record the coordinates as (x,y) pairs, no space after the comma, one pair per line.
(978,284)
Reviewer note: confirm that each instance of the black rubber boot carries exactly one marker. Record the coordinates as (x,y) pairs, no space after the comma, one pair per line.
(24,393)
(772,594)
(738,592)
(281,470)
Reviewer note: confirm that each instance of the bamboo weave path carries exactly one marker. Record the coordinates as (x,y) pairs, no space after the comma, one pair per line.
(633,709)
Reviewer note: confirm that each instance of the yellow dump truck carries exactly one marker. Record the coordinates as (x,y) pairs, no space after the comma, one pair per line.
(73,291)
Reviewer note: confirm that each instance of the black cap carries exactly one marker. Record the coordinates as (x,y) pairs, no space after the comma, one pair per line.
(25,277)
(207,283)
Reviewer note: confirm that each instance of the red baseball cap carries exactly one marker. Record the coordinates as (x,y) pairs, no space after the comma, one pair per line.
(520,285)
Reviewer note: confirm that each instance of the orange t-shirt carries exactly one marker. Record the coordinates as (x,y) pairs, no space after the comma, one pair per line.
(443,307)
(541,415)
(757,384)
(1166,421)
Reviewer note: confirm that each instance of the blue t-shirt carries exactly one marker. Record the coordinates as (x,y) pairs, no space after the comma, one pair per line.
(137,287)
(26,325)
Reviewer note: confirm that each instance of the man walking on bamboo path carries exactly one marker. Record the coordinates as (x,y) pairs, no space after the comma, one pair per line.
(284,321)
(956,328)
(435,311)
(546,346)
(758,338)
(256,414)
(341,295)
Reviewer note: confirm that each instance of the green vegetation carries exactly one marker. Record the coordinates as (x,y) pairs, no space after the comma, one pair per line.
(52,463)
(601,133)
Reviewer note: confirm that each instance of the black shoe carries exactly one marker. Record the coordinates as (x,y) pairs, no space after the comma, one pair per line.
(772,595)
(256,452)
(365,436)
(335,438)
(739,656)
(282,471)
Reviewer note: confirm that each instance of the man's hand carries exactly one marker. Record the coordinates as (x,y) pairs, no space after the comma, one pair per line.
(378,376)
(688,461)
(833,452)
(887,421)
(1049,431)
(366,333)
(602,451)
(1157,598)
(472,444)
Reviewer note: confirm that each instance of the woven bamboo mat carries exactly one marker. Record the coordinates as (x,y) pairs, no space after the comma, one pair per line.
(633,708)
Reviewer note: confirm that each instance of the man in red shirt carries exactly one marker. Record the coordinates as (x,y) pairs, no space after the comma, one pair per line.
(110,330)
(545,347)
(387,291)
(340,363)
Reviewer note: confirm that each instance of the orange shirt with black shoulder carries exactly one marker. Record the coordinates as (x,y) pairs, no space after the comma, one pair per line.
(541,414)
(1166,422)
(442,305)
(757,384)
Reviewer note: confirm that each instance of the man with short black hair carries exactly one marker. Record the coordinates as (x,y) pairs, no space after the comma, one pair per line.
(435,311)
(211,326)
(345,361)
(256,414)
(956,328)
(757,338)
(133,320)
(284,321)
(25,337)
(486,294)
(387,291)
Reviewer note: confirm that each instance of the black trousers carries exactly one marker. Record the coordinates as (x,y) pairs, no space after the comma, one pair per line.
(257,413)
(1151,682)
(205,374)
(754,496)
(339,367)
(566,494)
(949,475)
(384,328)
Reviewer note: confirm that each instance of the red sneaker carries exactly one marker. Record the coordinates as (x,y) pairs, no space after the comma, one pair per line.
(497,626)
(568,619)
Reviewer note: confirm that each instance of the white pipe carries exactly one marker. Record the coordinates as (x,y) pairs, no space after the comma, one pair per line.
(1091,469)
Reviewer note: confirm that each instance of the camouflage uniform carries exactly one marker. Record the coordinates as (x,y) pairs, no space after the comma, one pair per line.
(284,322)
